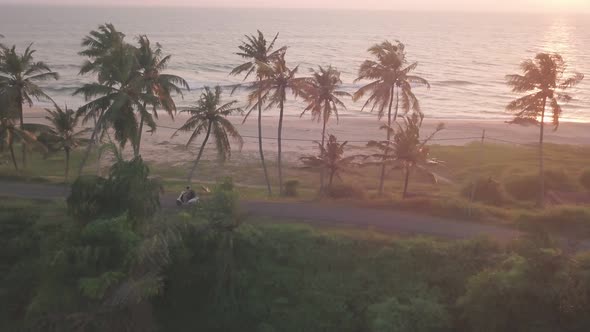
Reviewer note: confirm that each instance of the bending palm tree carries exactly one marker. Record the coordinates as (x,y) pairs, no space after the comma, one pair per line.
(390,76)
(62,135)
(151,63)
(210,117)
(257,51)
(321,95)
(277,79)
(544,79)
(9,132)
(19,76)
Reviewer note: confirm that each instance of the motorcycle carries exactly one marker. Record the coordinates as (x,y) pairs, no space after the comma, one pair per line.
(182,201)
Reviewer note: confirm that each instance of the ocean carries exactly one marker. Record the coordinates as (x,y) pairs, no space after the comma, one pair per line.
(465,56)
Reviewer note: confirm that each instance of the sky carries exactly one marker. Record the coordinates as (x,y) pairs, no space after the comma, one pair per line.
(426,5)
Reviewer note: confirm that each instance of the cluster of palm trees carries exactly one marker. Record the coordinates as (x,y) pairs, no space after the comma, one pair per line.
(131,86)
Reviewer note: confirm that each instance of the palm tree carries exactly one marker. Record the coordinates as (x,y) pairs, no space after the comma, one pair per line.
(407,152)
(19,78)
(151,63)
(9,132)
(258,51)
(210,116)
(114,104)
(102,47)
(62,136)
(321,95)
(277,78)
(330,159)
(390,76)
(119,92)
(544,80)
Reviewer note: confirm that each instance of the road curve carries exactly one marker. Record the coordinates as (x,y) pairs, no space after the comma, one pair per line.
(314,214)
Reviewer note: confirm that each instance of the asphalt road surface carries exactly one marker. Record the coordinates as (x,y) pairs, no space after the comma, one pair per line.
(314,214)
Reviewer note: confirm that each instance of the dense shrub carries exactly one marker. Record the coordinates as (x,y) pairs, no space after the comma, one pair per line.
(574,221)
(128,189)
(88,198)
(19,261)
(341,191)
(585,179)
(487,190)
(291,187)
(526,187)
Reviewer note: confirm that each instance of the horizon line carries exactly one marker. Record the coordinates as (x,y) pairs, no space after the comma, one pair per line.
(405,10)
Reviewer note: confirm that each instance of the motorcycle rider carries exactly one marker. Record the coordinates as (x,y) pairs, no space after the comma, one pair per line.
(188,194)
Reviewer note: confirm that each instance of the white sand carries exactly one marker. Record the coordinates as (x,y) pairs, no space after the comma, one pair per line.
(298,134)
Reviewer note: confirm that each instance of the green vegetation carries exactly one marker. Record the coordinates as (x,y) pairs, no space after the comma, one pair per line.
(209,269)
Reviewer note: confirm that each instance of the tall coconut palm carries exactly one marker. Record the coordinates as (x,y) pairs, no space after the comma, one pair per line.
(19,78)
(114,103)
(545,80)
(62,135)
(256,50)
(114,99)
(276,80)
(407,151)
(210,117)
(322,97)
(390,76)
(151,62)
(102,47)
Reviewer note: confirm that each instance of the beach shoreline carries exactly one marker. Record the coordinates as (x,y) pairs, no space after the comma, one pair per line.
(300,134)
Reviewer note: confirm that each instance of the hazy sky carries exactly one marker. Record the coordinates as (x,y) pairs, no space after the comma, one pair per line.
(451,5)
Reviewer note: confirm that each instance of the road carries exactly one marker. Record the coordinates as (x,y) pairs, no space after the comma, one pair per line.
(314,214)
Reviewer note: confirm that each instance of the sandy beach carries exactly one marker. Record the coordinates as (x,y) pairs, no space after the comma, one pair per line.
(299,135)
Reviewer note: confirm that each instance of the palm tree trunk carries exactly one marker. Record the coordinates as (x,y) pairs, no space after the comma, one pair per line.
(385,155)
(67,150)
(406,181)
(280,148)
(322,171)
(92,141)
(268,187)
(331,180)
(190,175)
(11,148)
(22,127)
(541,201)
(138,144)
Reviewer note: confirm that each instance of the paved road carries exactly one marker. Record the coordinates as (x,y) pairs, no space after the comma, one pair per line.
(314,214)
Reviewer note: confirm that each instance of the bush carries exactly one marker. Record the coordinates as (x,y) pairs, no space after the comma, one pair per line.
(487,190)
(526,188)
(585,179)
(128,189)
(571,220)
(87,199)
(291,188)
(341,191)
